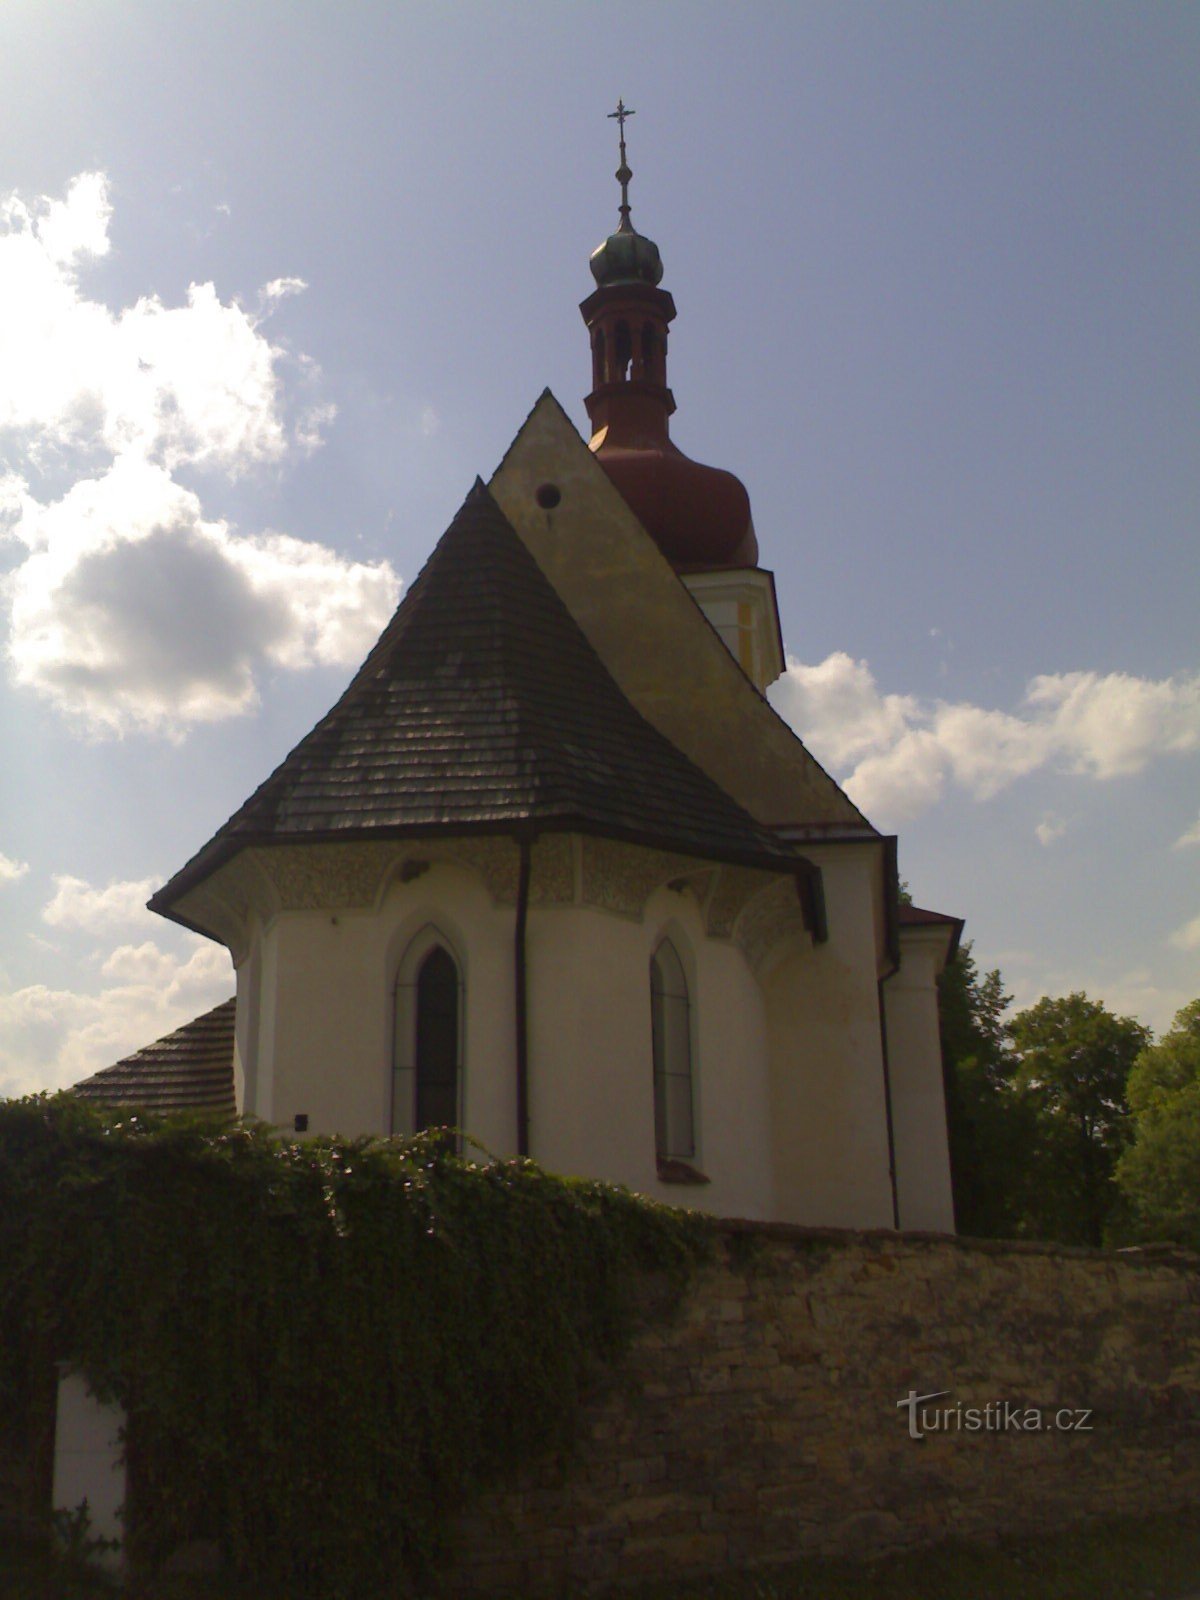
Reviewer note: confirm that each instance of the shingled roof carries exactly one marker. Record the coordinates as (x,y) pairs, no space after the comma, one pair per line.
(188,1070)
(483,707)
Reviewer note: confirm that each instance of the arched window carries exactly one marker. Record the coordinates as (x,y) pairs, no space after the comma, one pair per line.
(427,1063)
(599,375)
(674,1131)
(623,352)
(650,354)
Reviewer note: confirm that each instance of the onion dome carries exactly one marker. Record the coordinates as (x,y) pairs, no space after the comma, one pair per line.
(627,257)
(698,516)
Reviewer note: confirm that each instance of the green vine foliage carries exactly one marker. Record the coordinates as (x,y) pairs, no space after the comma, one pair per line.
(322,1347)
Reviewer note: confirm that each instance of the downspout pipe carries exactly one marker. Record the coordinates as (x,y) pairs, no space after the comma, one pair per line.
(891,903)
(887,1100)
(521,997)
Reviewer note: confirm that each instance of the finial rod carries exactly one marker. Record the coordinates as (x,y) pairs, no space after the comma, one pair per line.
(623,173)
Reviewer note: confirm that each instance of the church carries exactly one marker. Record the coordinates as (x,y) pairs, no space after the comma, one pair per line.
(552,871)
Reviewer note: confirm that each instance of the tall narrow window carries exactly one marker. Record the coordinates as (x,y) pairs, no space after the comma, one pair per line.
(599,374)
(674,1134)
(437,1042)
(623,352)
(427,1066)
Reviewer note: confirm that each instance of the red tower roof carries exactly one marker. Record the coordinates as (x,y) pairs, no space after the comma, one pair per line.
(698,516)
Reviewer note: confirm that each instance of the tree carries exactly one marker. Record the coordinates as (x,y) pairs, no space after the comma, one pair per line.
(1159,1174)
(1073,1057)
(989,1129)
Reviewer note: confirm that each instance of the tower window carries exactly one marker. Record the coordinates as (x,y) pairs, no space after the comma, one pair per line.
(623,351)
(650,353)
(670,1020)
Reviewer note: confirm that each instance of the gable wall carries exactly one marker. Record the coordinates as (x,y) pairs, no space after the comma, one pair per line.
(644,625)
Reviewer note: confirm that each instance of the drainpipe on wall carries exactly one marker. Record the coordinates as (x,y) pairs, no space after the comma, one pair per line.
(891,914)
(887,1099)
(525,845)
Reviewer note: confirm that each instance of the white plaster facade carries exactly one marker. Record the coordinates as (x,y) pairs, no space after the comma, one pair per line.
(788,1073)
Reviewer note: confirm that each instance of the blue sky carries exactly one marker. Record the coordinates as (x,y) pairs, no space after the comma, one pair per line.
(277,281)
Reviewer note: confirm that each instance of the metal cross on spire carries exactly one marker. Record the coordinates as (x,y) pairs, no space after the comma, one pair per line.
(623,173)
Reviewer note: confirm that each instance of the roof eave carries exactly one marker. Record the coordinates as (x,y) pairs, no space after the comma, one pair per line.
(222,850)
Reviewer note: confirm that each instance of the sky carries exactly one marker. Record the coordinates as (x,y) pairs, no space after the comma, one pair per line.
(278,280)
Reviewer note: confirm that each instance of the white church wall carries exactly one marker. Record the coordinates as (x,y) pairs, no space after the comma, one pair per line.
(245,1027)
(788,1093)
(829,1107)
(591,1084)
(591,1057)
(326,1021)
(89,1462)
(731,1081)
(923,1183)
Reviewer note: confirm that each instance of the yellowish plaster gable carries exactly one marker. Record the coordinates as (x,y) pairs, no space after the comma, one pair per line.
(650,633)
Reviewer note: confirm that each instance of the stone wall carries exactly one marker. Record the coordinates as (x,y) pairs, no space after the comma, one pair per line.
(762,1423)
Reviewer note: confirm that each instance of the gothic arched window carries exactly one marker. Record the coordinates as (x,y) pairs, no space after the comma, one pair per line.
(670,1020)
(427,1060)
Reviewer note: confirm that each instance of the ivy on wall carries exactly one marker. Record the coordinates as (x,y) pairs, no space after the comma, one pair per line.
(321,1347)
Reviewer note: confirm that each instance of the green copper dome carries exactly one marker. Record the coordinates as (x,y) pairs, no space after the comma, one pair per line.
(626,257)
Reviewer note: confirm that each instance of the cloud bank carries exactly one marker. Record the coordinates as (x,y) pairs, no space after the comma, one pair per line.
(897,754)
(142,988)
(129,608)
(51,1038)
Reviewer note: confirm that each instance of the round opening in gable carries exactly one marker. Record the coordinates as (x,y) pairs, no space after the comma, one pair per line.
(548,496)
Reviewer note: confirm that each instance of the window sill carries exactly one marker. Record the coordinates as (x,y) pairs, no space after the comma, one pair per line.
(681,1172)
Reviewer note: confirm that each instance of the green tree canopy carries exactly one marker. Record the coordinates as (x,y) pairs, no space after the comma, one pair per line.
(1159,1174)
(1072,1060)
(989,1130)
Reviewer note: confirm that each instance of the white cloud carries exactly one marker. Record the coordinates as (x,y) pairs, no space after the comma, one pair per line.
(77,904)
(1050,829)
(139,963)
(1187,937)
(278,289)
(1189,837)
(1110,726)
(50,1038)
(11,870)
(839,711)
(130,609)
(896,754)
(191,383)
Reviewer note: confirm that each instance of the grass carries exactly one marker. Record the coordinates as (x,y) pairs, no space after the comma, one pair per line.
(1154,1558)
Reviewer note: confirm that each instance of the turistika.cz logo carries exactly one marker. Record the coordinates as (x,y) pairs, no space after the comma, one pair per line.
(997,1416)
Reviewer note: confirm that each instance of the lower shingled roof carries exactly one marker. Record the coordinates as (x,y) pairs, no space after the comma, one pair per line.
(483,707)
(188,1070)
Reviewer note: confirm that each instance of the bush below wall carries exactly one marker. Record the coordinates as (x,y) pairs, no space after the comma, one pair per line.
(321,1348)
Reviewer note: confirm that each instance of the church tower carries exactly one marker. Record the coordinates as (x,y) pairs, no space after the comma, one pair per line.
(699,516)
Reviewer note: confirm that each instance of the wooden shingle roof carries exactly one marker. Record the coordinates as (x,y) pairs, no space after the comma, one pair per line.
(483,707)
(188,1070)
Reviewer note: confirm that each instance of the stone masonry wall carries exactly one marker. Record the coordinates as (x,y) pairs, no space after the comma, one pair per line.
(762,1423)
